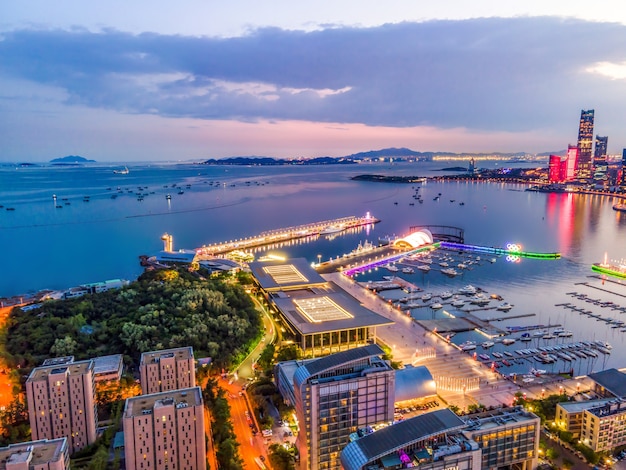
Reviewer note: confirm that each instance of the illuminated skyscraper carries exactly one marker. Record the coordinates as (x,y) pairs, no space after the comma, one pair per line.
(573,155)
(601,145)
(623,182)
(585,143)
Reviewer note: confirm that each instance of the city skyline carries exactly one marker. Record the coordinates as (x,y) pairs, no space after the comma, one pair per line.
(115,85)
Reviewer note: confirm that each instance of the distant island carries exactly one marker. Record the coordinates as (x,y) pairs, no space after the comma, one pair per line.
(71,159)
(271,161)
(391,154)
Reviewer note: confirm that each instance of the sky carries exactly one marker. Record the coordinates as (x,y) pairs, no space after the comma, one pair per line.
(176,81)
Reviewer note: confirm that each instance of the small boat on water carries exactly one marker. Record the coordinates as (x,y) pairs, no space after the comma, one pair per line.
(467,290)
(445,295)
(508,341)
(408,270)
(458,303)
(451,272)
(426,297)
(484,357)
(168,196)
(487,344)
(468,346)
(392,268)
(123,171)
(496,354)
(505,307)
(436,306)
(424,268)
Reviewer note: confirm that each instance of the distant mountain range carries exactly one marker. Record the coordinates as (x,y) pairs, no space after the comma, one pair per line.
(399,154)
(71,159)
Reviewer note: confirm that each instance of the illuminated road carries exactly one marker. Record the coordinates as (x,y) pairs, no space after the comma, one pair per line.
(251,446)
(6,386)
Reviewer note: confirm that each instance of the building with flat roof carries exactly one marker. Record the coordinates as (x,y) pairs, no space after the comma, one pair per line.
(108,368)
(165,430)
(508,437)
(322,317)
(585,144)
(604,426)
(167,369)
(569,414)
(62,403)
(336,395)
(105,368)
(40,455)
(609,383)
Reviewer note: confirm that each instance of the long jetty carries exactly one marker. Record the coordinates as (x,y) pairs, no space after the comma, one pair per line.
(285,234)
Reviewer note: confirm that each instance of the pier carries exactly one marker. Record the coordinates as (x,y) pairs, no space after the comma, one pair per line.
(286,234)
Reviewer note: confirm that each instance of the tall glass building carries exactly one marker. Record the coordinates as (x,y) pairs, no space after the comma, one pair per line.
(585,144)
(336,396)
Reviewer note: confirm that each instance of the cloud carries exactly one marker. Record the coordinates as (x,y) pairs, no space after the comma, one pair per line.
(501,74)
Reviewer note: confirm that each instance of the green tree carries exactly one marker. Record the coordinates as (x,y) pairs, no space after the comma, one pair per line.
(65,346)
(281,458)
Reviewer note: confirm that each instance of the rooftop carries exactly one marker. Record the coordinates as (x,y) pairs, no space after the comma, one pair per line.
(612,380)
(375,445)
(55,361)
(341,359)
(179,353)
(107,364)
(580,406)
(496,418)
(333,309)
(145,404)
(276,275)
(43,451)
(74,368)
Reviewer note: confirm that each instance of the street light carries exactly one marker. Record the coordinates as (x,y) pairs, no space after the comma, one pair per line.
(319,259)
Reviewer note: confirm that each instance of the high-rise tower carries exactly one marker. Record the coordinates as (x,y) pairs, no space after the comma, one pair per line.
(585,143)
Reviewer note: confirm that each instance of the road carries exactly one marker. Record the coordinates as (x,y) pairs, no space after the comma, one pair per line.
(6,386)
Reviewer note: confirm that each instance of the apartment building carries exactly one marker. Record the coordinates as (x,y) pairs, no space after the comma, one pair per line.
(165,431)
(62,403)
(168,369)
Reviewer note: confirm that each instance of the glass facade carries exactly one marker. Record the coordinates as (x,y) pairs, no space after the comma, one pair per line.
(585,144)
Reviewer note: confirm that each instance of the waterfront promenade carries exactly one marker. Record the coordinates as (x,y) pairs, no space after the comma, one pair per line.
(406,338)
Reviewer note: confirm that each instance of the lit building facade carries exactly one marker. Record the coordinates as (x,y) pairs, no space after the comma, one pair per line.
(337,395)
(569,415)
(36,455)
(557,169)
(623,177)
(508,438)
(572,162)
(604,427)
(600,149)
(62,403)
(167,369)
(165,431)
(585,144)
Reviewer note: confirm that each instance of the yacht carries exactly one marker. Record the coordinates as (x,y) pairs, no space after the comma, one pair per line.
(508,341)
(461,266)
(484,357)
(445,295)
(449,272)
(487,344)
(458,303)
(331,229)
(548,336)
(538,334)
(525,337)
(424,268)
(392,268)
(427,260)
(468,346)
(168,196)
(467,290)
(480,300)
(436,306)
(426,297)
(408,270)
(122,172)
(443,264)
(505,307)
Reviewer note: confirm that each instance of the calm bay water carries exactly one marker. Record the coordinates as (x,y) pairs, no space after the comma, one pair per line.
(49,247)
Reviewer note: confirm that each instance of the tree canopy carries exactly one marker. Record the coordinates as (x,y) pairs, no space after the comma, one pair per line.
(162,309)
